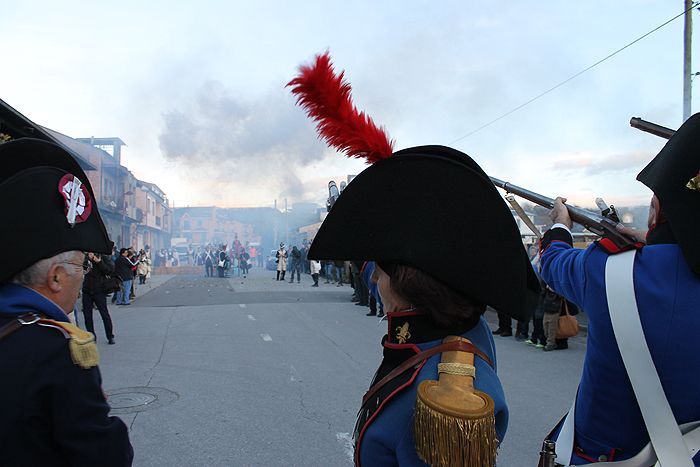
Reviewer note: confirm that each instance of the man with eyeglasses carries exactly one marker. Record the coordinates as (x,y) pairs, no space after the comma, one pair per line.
(54,411)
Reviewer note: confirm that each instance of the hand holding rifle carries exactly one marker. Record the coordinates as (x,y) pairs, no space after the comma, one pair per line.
(559,214)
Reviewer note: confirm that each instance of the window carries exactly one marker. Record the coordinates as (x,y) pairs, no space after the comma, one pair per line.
(107,189)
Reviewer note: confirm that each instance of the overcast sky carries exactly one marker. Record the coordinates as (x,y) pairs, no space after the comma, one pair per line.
(197,89)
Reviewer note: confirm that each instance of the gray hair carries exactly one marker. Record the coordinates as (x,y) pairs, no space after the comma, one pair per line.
(36,273)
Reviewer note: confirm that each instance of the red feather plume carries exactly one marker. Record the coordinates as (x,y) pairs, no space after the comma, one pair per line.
(326,98)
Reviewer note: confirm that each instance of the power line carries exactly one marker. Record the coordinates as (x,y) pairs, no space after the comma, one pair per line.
(574,76)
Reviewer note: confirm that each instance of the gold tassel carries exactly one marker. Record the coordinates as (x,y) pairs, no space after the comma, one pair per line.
(454,424)
(84,354)
(82,346)
(444,440)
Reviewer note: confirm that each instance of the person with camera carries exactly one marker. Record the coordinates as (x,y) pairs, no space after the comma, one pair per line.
(99,270)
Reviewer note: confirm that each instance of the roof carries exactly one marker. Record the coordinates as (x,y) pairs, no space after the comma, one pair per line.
(20,126)
(153,187)
(82,149)
(104,141)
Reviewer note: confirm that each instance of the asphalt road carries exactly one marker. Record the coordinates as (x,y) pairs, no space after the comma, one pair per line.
(255,372)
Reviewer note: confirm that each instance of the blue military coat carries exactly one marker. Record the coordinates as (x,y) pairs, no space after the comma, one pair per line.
(54,412)
(384,432)
(608,420)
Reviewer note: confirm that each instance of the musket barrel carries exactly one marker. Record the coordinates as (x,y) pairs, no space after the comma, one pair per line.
(653,128)
(523,193)
(591,220)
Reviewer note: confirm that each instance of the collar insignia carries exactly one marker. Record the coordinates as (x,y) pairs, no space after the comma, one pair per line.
(402,334)
(78,203)
(694,183)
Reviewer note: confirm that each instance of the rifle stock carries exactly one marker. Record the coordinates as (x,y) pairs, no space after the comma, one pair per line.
(592,221)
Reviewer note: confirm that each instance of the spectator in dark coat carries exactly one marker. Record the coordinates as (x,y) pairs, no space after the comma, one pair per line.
(295,264)
(123,268)
(94,293)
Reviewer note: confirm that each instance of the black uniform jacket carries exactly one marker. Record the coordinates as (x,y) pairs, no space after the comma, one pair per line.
(54,413)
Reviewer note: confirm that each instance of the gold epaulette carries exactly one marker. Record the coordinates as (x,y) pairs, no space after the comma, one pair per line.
(454,424)
(81,344)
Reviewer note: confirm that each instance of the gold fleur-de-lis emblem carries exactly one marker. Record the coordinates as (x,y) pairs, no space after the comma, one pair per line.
(694,183)
(402,334)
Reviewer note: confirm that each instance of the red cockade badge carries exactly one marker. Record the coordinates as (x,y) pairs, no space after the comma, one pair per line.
(78,202)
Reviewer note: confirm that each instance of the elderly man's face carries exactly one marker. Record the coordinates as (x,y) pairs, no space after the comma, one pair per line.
(71,276)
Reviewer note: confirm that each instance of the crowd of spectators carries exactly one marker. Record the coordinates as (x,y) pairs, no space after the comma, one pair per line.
(547,310)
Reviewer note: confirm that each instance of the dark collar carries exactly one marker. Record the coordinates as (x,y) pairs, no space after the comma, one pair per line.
(415,327)
(660,234)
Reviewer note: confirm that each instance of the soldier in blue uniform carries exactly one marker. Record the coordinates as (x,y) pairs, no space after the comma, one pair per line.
(436,270)
(611,418)
(445,246)
(54,412)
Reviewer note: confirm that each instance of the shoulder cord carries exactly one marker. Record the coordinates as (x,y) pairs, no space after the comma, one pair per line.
(421,357)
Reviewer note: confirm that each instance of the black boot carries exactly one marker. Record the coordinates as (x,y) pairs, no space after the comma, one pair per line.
(278,275)
(282,278)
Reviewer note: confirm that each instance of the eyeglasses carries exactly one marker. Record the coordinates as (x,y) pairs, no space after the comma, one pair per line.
(82,266)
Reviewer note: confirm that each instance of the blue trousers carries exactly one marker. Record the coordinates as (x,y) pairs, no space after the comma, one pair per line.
(123,294)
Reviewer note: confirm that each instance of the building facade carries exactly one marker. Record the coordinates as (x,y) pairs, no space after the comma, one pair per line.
(135,213)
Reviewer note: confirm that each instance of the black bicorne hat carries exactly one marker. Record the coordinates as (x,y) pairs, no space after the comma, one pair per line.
(48,206)
(433,208)
(430,207)
(674,177)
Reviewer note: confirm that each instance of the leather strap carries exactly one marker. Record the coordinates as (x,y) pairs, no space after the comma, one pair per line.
(665,436)
(15,324)
(420,357)
(565,441)
(647,456)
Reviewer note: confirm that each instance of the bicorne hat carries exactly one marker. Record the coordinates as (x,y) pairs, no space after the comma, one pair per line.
(674,177)
(430,207)
(48,206)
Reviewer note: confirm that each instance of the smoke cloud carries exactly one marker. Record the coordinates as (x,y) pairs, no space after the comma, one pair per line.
(600,165)
(226,142)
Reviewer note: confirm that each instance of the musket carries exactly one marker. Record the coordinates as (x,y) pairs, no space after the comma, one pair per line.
(652,128)
(333,194)
(596,223)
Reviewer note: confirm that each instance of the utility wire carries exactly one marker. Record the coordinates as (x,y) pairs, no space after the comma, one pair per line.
(574,76)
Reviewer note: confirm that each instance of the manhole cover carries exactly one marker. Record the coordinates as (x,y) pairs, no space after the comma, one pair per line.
(130,400)
(139,399)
